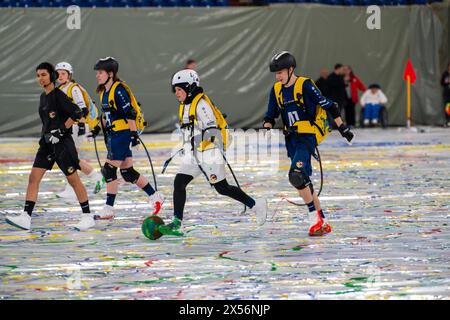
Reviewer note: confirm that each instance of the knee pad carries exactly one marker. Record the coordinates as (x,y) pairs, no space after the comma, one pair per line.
(222,187)
(181,181)
(130,175)
(298,179)
(109,172)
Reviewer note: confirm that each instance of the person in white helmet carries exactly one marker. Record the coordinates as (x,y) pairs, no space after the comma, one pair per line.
(204,139)
(75,91)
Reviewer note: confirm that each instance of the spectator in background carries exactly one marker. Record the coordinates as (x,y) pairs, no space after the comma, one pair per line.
(321,83)
(445,83)
(336,87)
(372,100)
(353,84)
(191,64)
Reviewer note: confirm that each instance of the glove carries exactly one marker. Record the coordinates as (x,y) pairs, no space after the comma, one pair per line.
(94,132)
(134,139)
(81,129)
(346,133)
(269,121)
(56,136)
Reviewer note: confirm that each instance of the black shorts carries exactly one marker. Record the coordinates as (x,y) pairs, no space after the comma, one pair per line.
(64,154)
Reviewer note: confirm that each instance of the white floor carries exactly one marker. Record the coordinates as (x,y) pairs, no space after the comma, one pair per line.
(387,197)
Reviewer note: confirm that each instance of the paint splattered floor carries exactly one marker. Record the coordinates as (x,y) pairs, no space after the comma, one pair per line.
(387,197)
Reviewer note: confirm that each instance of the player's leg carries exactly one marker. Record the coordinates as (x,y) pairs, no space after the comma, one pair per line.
(93,175)
(299,177)
(23,221)
(179,200)
(118,146)
(44,160)
(189,169)
(68,192)
(87,219)
(66,156)
(109,172)
(213,164)
(131,175)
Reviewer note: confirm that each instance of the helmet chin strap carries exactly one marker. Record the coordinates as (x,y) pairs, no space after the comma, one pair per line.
(289,77)
(109,77)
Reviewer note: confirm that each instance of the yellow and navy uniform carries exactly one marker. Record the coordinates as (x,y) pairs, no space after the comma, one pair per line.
(296,118)
(118,138)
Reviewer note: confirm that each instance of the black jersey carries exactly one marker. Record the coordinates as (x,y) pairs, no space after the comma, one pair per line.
(55,108)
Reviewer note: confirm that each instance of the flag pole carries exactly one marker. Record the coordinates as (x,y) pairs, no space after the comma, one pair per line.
(408,102)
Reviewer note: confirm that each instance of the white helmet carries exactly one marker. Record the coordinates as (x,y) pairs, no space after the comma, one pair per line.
(187,79)
(64,66)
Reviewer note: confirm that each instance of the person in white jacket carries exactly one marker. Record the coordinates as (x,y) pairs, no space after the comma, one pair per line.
(372,100)
(201,154)
(65,80)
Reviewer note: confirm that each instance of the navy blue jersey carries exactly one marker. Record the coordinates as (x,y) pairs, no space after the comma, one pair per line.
(123,104)
(291,112)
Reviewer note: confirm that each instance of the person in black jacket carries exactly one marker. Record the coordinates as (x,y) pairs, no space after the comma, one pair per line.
(321,83)
(336,86)
(58,113)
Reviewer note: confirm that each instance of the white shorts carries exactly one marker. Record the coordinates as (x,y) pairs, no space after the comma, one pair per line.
(78,139)
(211,161)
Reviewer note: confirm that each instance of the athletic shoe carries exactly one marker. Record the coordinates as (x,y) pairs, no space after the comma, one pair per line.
(22,221)
(86,222)
(68,193)
(366,122)
(318,226)
(374,122)
(171,229)
(260,209)
(157,200)
(107,213)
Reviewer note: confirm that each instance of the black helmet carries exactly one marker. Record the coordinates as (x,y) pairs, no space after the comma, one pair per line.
(108,64)
(282,60)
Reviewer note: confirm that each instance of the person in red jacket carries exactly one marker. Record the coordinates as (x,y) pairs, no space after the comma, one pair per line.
(352,84)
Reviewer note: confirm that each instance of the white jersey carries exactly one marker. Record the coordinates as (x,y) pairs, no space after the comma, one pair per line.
(211,160)
(369,97)
(77,95)
(205,119)
(78,98)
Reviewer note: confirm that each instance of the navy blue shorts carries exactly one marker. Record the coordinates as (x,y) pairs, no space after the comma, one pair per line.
(300,150)
(118,145)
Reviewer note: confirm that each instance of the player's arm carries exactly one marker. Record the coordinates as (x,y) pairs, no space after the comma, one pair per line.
(123,104)
(317,98)
(73,112)
(207,123)
(78,98)
(272,113)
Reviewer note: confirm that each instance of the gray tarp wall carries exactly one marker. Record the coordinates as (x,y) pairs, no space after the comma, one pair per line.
(233,47)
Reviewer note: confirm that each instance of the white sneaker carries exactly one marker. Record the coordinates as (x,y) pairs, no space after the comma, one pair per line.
(86,222)
(260,209)
(366,122)
(22,221)
(157,199)
(374,121)
(107,213)
(68,193)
